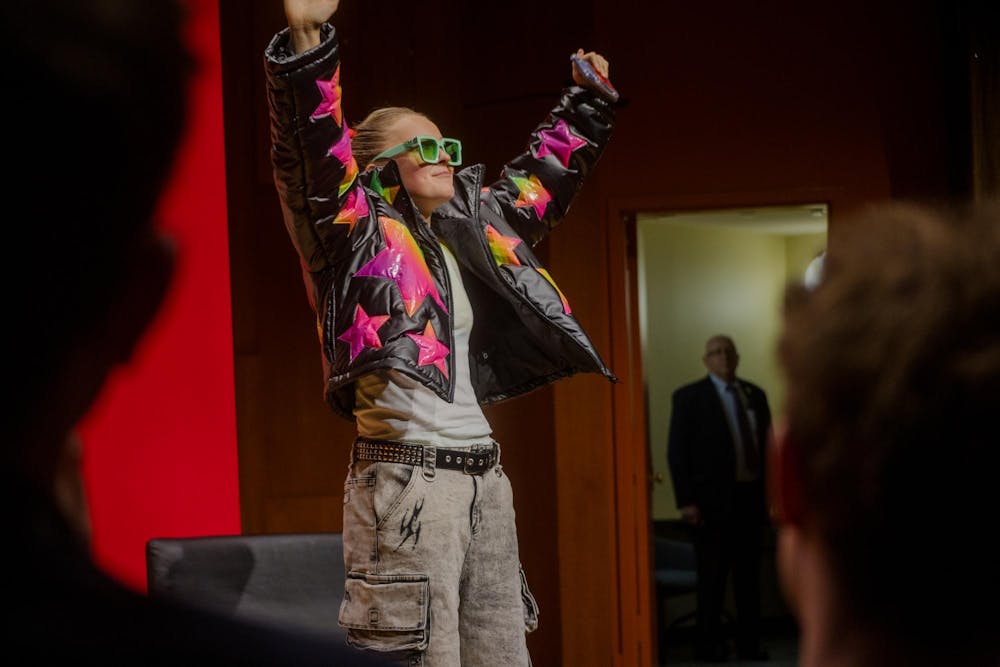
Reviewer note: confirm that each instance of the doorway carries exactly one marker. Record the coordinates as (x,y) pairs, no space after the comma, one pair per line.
(700,273)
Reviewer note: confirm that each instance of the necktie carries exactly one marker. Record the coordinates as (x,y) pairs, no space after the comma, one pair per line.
(746,433)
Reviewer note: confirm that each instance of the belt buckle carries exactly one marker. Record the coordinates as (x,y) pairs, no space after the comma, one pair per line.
(472,466)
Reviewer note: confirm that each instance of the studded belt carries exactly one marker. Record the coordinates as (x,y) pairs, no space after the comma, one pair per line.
(475,460)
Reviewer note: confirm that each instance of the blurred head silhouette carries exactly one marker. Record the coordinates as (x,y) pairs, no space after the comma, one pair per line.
(95,104)
(884,470)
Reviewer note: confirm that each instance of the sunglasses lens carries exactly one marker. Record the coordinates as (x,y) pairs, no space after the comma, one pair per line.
(453,147)
(429,150)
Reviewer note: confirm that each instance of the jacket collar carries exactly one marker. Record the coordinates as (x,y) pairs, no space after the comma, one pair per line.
(465,203)
(387,182)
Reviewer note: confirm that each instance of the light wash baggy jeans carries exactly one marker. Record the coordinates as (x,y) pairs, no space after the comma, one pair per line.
(433,573)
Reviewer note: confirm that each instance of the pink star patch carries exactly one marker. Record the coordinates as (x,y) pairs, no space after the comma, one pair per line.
(532,193)
(432,351)
(560,141)
(342,151)
(402,262)
(364,332)
(330,104)
(502,247)
(354,208)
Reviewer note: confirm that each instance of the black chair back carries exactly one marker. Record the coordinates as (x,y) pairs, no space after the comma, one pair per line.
(295,580)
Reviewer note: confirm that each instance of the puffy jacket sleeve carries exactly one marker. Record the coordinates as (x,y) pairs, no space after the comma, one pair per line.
(314,171)
(536,188)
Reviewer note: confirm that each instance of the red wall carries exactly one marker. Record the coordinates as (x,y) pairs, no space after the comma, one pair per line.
(160,445)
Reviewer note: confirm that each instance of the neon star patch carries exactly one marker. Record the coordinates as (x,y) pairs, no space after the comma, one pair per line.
(342,151)
(402,262)
(355,207)
(329,105)
(532,193)
(559,141)
(502,247)
(363,332)
(388,194)
(432,351)
(562,297)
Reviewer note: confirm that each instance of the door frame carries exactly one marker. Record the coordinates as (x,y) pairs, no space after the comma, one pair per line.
(637,622)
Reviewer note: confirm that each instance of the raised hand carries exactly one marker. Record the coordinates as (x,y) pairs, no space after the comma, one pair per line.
(591,70)
(596,60)
(305,18)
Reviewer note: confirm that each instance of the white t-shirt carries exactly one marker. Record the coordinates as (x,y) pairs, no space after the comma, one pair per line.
(393,406)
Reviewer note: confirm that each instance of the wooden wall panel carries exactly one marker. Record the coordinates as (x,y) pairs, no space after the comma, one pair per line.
(781,103)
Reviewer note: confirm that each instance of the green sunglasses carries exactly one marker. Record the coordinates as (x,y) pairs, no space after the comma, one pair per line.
(429,149)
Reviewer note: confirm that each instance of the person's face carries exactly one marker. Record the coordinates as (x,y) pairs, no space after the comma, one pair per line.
(430,185)
(721,358)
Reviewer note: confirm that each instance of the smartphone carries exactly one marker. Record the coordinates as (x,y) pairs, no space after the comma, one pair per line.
(592,75)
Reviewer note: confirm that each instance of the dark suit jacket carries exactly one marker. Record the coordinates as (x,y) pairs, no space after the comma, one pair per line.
(701,451)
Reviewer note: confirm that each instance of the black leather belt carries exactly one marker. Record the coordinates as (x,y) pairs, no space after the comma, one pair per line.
(472,461)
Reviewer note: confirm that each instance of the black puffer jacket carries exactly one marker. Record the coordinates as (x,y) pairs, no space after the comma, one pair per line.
(377,274)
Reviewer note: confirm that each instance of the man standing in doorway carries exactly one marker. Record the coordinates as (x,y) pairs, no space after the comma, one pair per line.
(719,430)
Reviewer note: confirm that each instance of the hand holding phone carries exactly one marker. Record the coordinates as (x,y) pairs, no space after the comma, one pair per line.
(594,78)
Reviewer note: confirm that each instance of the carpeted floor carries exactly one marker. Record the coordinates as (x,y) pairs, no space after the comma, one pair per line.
(782,645)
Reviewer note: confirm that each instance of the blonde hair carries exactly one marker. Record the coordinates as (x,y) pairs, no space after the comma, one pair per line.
(371,134)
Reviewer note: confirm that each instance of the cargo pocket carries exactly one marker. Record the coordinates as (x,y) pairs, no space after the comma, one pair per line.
(530,606)
(386,612)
